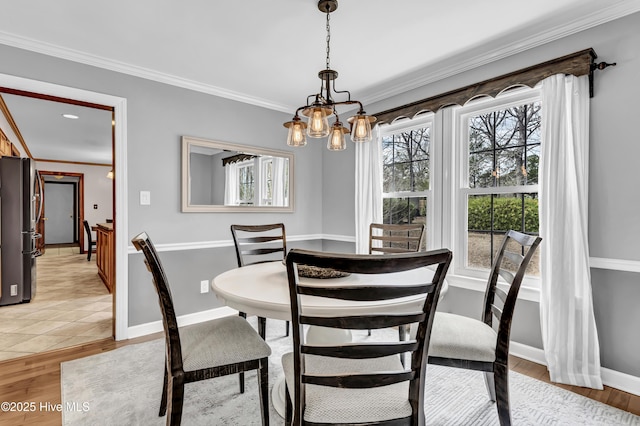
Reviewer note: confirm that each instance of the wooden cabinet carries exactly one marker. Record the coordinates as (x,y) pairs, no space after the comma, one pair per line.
(105,254)
(6,148)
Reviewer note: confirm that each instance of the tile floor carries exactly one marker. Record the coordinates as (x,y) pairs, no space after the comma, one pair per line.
(71,307)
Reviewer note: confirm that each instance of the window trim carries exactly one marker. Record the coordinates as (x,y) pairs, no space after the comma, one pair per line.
(264,181)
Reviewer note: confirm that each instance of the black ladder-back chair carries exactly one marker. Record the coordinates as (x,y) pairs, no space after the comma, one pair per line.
(347,383)
(462,342)
(396,238)
(90,241)
(259,244)
(205,350)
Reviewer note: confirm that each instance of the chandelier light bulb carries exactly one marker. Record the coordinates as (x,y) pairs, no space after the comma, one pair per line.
(297,135)
(361,128)
(318,126)
(336,137)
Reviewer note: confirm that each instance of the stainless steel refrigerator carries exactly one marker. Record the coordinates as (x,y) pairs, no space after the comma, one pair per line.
(19,214)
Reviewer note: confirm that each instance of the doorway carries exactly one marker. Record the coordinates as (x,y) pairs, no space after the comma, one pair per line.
(118,105)
(61,210)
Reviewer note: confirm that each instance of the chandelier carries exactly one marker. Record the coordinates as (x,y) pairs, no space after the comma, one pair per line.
(321,106)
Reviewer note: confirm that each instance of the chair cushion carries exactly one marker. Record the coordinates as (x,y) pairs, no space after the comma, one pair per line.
(221,341)
(326,404)
(460,337)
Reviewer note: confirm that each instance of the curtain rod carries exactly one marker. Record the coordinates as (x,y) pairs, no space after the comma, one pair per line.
(578,63)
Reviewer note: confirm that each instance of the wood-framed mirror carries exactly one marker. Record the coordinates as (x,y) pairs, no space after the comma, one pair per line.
(226,177)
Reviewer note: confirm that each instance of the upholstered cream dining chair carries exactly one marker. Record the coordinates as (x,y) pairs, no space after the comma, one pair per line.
(361,382)
(482,344)
(205,350)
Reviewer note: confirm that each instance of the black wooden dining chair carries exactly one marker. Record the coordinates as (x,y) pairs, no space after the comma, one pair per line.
(361,382)
(259,244)
(205,350)
(463,342)
(90,243)
(396,238)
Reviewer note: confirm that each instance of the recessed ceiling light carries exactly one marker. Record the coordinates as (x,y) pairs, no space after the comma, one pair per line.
(70,116)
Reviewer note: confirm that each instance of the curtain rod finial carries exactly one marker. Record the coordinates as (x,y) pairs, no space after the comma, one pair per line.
(602,65)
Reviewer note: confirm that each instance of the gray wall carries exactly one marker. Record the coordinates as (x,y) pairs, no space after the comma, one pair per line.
(200,171)
(614,228)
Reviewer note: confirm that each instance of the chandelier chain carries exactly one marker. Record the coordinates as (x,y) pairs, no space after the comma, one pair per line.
(328,38)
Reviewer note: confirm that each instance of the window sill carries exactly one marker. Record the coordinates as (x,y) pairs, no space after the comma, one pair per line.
(531,294)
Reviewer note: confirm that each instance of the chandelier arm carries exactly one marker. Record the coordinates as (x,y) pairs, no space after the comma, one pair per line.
(349,102)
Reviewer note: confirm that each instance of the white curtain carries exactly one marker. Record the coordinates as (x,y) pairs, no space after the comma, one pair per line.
(368,188)
(278,181)
(568,325)
(230,184)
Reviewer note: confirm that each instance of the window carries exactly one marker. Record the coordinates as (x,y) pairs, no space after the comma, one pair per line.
(406,172)
(469,173)
(498,153)
(245,182)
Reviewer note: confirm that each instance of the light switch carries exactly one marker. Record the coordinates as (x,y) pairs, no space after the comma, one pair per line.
(145,198)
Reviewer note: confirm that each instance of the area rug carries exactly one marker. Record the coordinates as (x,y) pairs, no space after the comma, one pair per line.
(123,387)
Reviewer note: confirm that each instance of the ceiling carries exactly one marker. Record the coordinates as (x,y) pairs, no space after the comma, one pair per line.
(268,53)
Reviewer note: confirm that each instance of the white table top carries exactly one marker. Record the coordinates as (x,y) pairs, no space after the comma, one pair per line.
(262,289)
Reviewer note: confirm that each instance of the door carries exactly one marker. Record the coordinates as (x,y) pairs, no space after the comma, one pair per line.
(61,221)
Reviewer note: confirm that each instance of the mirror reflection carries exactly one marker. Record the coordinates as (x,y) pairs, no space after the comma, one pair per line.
(219,176)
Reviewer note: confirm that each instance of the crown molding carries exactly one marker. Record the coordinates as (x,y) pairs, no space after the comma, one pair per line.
(468,61)
(133,70)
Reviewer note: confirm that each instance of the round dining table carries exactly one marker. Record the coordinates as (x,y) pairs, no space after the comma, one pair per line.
(262,289)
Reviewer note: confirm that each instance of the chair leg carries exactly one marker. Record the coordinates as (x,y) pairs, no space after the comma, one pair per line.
(402,336)
(174,413)
(490,384)
(89,253)
(241,374)
(241,381)
(501,378)
(402,333)
(287,328)
(262,327)
(369,332)
(163,400)
(263,382)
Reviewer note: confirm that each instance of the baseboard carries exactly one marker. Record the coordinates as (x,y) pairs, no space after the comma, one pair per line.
(156,326)
(615,379)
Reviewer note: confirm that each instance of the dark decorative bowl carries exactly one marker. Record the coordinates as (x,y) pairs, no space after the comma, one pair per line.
(307,271)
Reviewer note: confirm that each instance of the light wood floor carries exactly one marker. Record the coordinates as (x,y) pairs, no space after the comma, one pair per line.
(71,306)
(36,379)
